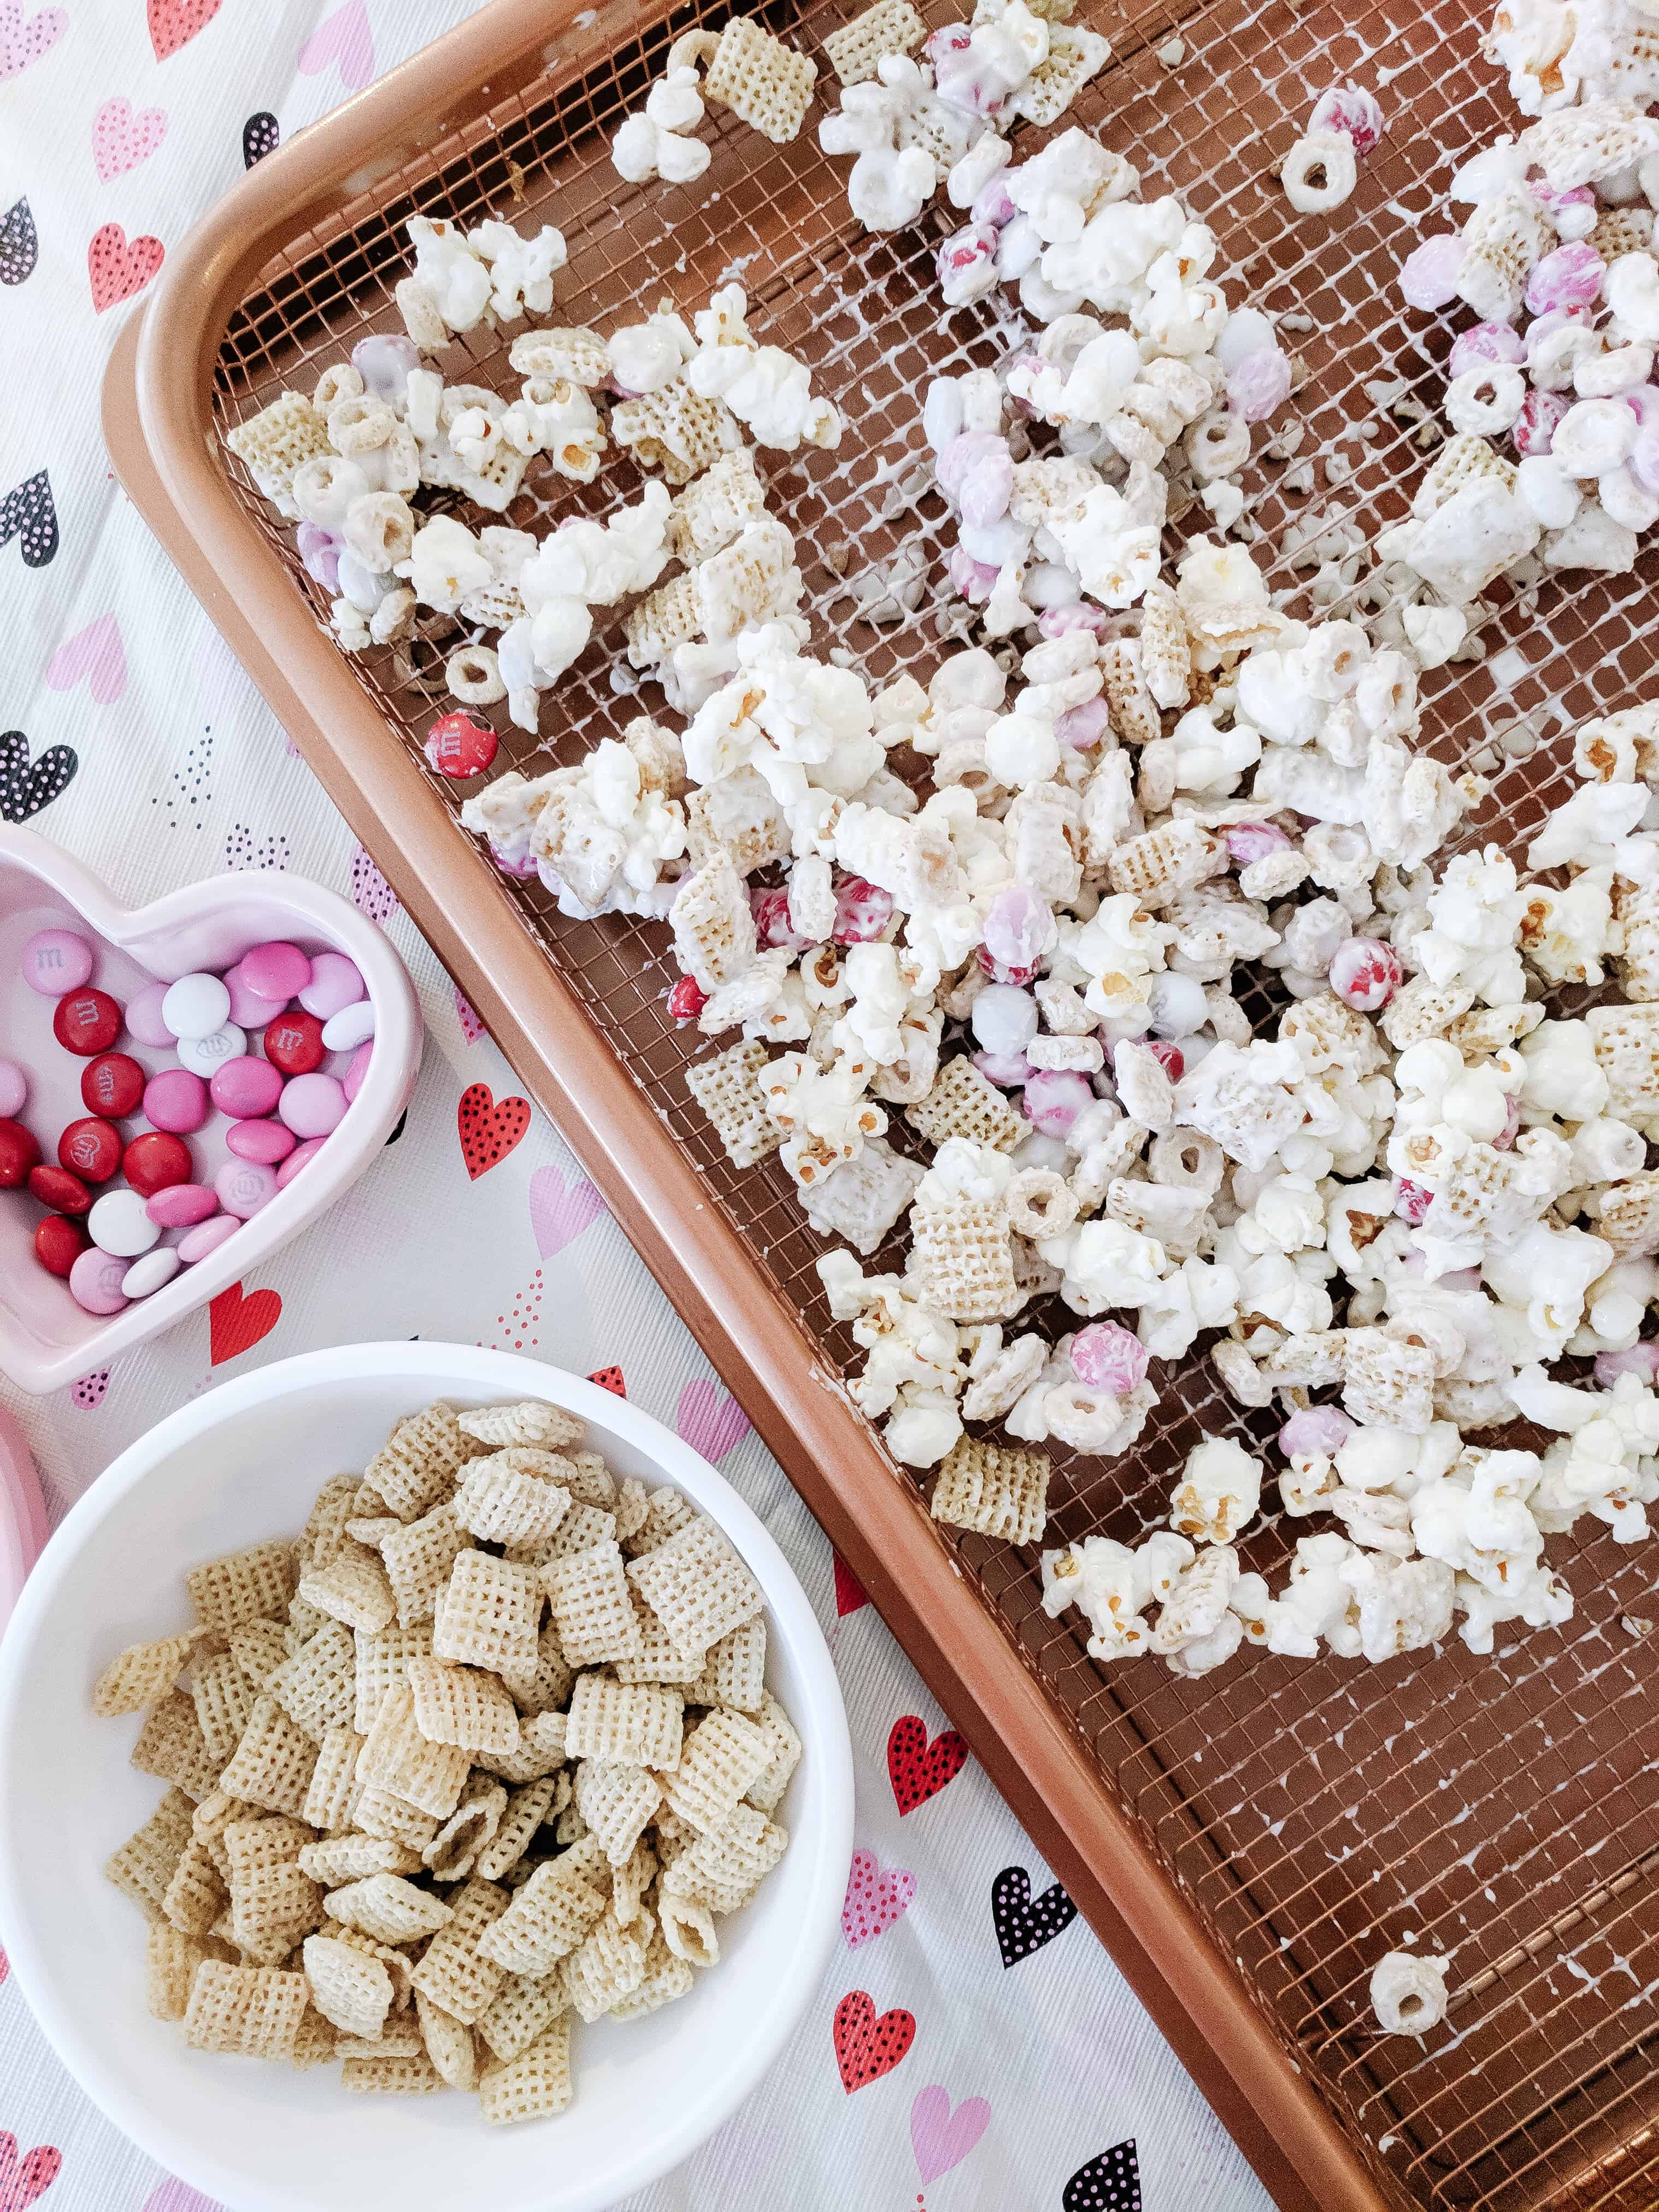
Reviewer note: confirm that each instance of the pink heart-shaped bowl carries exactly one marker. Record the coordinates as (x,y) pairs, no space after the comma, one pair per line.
(46,1341)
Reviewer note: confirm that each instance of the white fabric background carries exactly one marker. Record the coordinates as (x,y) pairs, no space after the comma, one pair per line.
(182,773)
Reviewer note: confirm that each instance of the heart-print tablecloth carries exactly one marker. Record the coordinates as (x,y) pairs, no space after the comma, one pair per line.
(972,2046)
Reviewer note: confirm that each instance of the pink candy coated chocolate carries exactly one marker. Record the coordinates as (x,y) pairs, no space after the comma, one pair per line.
(384,360)
(246,1088)
(14,1090)
(1412,1200)
(95,1281)
(144,1017)
(1644,454)
(244,1186)
(266,1143)
(1511,1128)
(1109,1357)
(1250,841)
(994,205)
(1081,614)
(207,1238)
(1570,277)
(357,1069)
(335,982)
(248,1010)
(1315,1432)
(276,970)
(1018,928)
(1007,1069)
(1085,726)
(297,1159)
(56,962)
(773,926)
(176,1101)
(974,580)
(1053,1098)
(863,911)
(1366,972)
(1260,383)
(319,552)
(1485,343)
(976,472)
(1534,429)
(181,1205)
(1352,110)
(1641,1360)
(312,1105)
(1428,276)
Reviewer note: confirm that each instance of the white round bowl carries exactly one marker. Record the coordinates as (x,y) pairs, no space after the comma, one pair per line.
(242,1463)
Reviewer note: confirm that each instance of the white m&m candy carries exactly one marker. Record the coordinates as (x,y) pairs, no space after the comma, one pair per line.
(195,1006)
(120,1224)
(205,1055)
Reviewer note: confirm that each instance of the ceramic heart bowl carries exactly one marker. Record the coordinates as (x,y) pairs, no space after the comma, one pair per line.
(47,1341)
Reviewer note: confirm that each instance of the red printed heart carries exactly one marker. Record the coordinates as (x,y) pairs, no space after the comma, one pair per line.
(610,1378)
(869,2044)
(175,23)
(850,1593)
(118,269)
(919,1769)
(23,2180)
(488,1131)
(236,1323)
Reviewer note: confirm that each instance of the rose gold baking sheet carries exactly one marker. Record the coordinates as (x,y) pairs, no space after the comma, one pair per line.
(1249,1844)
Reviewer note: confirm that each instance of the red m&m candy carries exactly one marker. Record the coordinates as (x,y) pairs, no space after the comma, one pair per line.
(56,1188)
(86,1022)
(112,1085)
(155,1162)
(459,746)
(90,1149)
(293,1043)
(59,1243)
(19,1152)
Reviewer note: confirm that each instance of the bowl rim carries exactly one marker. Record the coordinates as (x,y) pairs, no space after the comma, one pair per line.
(686,2130)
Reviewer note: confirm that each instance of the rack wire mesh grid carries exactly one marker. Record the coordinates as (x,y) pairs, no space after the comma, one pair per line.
(1499,1809)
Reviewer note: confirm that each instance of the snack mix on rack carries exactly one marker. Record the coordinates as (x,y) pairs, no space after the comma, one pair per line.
(413,1828)
(1122,968)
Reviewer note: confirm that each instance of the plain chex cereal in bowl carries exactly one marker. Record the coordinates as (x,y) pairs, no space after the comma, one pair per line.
(395,1850)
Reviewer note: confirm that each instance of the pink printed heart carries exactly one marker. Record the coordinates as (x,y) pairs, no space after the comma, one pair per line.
(5,1969)
(121,139)
(21,43)
(876,1901)
(89,1390)
(22,2180)
(371,893)
(941,2138)
(171,2196)
(472,1028)
(95,653)
(560,1211)
(709,1421)
(344,37)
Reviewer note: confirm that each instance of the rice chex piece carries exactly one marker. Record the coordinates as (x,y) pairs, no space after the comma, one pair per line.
(891,26)
(667,1512)
(660,1658)
(696,1585)
(388,1908)
(961,1259)
(714,925)
(332,1792)
(667,1979)
(780,1731)
(336,1860)
(397,1963)
(452,1971)
(548,1684)
(382,1813)
(734,1670)
(689,1929)
(223,1698)
(992,1488)
(582,1528)
(259,1647)
(487,1615)
(631,1724)
(632,1505)
(420,1461)
(526,1811)
(250,2012)
(448,2042)
(617,1802)
(145,1864)
(171,1959)
(675,429)
(316,1688)
(547,1919)
(527,1421)
(716,507)
(254,1584)
(1072,58)
(670,615)
(727,1087)
(592,1608)
(533,2085)
(171,1746)
(352,1587)
(382,1661)
(323,1534)
(413,2075)
(303,1622)
(501,1501)
(273,445)
(454,1852)
(139,1675)
(609,1964)
(523,2007)
(418,1558)
(317,2042)
(396,1756)
(196,1894)
(724,1868)
(274,1903)
(462,1705)
(963,1103)
(861,1199)
(540,1749)
(272,1764)
(373,1531)
(352,1992)
(765,83)
(722,1757)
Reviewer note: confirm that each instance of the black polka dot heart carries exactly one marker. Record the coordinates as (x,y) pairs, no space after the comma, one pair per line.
(1110,2183)
(1023,1922)
(261,135)
(26,785)
(27,511)
(20,246)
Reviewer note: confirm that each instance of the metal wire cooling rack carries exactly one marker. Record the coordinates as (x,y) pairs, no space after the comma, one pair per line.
(1310,1814)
